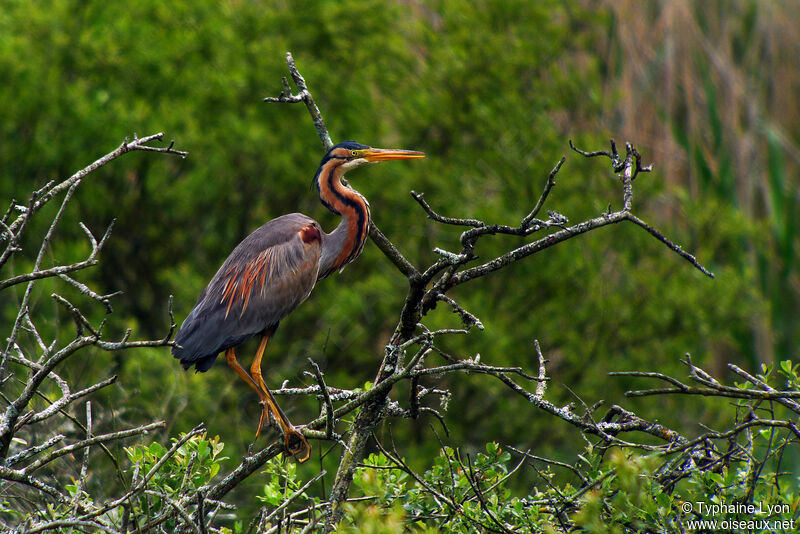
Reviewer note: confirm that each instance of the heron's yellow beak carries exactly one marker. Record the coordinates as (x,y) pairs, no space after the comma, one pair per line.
(385,154)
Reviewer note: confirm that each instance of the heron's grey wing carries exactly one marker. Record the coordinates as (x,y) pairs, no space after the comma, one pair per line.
(266,276)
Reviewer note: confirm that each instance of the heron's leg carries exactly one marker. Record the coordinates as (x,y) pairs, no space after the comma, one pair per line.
(295,442)
(230,356)
(255,369)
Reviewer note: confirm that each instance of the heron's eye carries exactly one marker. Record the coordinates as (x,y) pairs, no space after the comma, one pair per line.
(354,152)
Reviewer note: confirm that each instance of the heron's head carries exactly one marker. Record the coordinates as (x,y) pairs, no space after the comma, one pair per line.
(355,154)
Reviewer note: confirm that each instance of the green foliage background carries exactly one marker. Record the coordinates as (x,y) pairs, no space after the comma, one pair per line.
(491,92)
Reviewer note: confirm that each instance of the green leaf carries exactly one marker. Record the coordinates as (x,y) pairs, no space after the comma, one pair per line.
(156,449)
(202,450)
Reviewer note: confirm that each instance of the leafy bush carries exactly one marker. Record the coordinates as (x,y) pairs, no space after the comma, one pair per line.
(188,468)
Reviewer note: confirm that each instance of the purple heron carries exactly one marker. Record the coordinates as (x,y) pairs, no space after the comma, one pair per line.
(272,271)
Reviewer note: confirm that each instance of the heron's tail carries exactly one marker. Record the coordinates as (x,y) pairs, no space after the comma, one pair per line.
(198,346)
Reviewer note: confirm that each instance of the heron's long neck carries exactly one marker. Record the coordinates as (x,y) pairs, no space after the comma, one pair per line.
(345,243)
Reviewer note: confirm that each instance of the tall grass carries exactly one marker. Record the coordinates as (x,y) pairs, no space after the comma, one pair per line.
(710,88)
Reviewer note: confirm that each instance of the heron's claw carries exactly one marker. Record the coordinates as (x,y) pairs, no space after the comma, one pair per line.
(296,445)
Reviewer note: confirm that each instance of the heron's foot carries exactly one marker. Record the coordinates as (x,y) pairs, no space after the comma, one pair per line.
(296,444)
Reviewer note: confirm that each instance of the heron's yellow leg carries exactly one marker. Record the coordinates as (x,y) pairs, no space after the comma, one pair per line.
(295,442)
(230,356)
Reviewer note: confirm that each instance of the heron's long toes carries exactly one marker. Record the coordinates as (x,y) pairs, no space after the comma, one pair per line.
(296,445)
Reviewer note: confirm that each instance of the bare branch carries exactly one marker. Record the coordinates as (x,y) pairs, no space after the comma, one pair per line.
(613,155)
(304,95)
(105,300)
(527,454)
(77,446)
(391,252)
(59,524)
(23,308)
(81,482)
(33,451)
(672,246)
(21,477)
(329,422)
(542,385)
(534,247)
(737,430)
(125,147)
(792,405)
(713,388)
(551,182)
(444,220)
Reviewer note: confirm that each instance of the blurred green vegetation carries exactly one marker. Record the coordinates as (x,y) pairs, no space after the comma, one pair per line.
(492,92)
